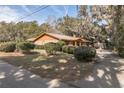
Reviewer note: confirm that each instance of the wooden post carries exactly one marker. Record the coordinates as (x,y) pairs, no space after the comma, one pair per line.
(75,43)
(80,43)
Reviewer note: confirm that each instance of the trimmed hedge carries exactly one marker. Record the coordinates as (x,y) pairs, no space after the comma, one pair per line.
(65,48)
(52,48)
(8,47)
(68,49)
(61,43)
(84,53)
(39,46)
(24,47)
(71,49)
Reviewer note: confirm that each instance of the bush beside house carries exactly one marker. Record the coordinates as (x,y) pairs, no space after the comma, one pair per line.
(71,49)
(61,43)
(24,47)
(39,46)
(52,48)
(84,53)
(68,49)
(65,49)
(7,47)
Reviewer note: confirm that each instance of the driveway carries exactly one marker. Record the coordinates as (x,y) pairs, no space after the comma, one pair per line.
(14,77)
(108,72)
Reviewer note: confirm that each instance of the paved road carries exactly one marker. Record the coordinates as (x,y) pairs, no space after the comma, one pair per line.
(107,73)
(14,77)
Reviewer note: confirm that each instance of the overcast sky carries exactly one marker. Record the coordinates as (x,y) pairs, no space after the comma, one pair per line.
(13,13)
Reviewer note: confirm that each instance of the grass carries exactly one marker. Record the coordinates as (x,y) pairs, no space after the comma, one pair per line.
(62,66)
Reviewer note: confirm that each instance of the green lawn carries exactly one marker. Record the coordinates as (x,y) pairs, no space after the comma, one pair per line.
(62,66)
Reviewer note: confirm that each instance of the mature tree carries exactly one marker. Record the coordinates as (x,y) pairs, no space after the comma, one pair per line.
(67,25)
(22,30)
(96,21)
(46,27)
(117,23)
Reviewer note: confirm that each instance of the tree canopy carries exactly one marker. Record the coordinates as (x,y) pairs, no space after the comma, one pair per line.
(96,23)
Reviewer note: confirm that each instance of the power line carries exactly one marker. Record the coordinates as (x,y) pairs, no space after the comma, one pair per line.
(6,13)
(77,9)
(39,9)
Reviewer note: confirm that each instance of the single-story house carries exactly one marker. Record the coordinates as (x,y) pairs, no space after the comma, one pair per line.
(52,37)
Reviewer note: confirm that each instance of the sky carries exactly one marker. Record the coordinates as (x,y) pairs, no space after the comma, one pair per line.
(16,12)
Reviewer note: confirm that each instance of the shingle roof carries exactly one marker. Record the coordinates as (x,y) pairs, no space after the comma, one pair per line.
(62,37)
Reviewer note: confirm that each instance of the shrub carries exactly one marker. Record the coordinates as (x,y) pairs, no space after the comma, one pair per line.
(84,53)
(61,44)
(51,48)
(39,46)
(25,47)
(65,48)
(121,52)
(71,49)
(68,49)
(8,47)
(57,47)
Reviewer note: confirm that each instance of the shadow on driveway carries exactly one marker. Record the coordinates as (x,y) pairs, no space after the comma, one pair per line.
(13,77)
(108,73)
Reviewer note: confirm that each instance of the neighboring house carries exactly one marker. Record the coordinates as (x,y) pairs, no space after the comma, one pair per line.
(51,37)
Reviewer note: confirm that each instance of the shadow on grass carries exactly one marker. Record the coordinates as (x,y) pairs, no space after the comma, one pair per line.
(63,67)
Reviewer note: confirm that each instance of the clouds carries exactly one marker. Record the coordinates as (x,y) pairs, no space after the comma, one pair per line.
(8,14)
(61,10)
(26,8)
(15,12)
(57,10)
(66,10)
